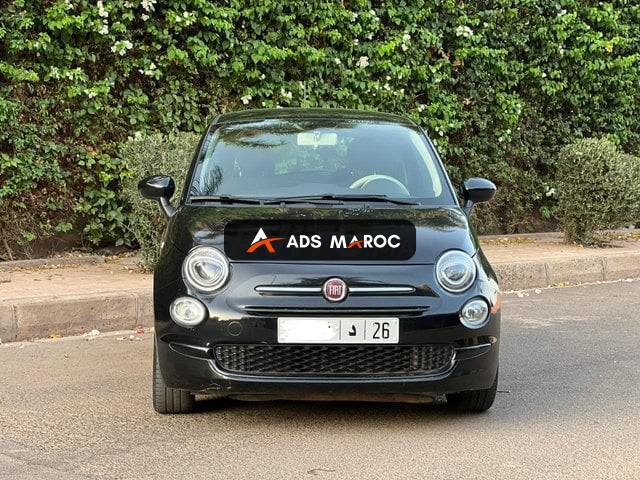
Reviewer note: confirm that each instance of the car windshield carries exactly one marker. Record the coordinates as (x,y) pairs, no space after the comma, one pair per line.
(318,158)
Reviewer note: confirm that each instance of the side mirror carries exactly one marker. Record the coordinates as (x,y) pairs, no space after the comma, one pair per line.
(476,190)
(159,188)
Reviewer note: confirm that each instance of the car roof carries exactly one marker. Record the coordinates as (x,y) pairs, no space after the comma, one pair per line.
(311,113)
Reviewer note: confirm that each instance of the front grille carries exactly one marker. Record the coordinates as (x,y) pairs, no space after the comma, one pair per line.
(328,360)
(336,311)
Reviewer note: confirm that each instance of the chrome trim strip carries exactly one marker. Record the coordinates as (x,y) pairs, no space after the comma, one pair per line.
(381,289)
(292,290)
(356,290)
(193,347)
(473,347)
(472,351)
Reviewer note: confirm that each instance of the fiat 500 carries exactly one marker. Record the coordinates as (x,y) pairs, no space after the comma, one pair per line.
(322,254)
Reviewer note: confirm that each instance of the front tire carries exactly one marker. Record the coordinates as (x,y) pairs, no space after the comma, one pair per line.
(474,401)
(167,399)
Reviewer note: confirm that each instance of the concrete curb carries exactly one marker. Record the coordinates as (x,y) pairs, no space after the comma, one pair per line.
(73,314)
(43,262)
(27,319)
(525,275)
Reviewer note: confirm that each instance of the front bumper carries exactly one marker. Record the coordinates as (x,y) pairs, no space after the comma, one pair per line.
(191,364)
(242,316)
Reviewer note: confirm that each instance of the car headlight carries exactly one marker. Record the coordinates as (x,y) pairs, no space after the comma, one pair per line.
(475,313)
(188,312)
(455,271)
(206,269)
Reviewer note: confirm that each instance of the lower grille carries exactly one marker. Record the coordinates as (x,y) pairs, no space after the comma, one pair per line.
(314,360)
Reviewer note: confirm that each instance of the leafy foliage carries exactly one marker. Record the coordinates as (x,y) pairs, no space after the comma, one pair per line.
(153,155)
(501,86)
(598,188)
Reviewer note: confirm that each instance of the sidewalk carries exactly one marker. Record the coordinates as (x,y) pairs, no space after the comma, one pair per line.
(69,299)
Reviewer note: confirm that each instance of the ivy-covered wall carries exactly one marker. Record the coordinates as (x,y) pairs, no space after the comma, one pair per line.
(500,86)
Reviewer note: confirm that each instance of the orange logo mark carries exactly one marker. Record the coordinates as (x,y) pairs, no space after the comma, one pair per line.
(357,243)
(260,240)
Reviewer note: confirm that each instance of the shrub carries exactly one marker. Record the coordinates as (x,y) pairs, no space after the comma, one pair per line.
(153,155)
(598,188)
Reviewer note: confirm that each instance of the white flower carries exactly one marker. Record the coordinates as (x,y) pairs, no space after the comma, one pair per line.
(286,94)
(356,42)
(101,11)
(562,13)
(121,47)
(404,47)
(369,36)
(337,61)
(420,108)
(245,99)
(150,71)
(104,29)
(551,192)
(372,12)
(561,51)
(463,31)
(148,5)
(386,86)
(354,16)
(406,37)
(441,133)
(363,62)
(263,76)
(127,5)
(144,17)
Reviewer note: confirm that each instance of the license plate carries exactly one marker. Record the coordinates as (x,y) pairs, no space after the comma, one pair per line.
(337,330)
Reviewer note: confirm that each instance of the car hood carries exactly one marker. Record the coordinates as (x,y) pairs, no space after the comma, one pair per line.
(437,228)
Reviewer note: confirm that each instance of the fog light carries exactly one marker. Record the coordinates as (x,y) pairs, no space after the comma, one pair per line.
(187,311)
(475,313)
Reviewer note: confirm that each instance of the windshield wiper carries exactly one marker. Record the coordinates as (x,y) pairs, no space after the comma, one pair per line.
(342,198)
(225,199)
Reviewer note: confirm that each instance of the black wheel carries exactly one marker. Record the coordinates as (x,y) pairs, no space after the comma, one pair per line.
(166,399)
(473,401)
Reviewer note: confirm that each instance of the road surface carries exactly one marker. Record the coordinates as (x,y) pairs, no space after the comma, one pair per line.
(568,407)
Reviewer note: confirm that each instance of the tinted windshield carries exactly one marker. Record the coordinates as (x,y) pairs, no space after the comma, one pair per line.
(283,158)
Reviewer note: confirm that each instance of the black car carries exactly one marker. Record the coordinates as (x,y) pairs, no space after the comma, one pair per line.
(322,254)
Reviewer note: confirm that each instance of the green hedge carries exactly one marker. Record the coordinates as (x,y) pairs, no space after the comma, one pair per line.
(501,86)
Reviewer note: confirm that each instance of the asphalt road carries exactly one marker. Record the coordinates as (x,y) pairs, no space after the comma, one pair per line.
(568,407)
